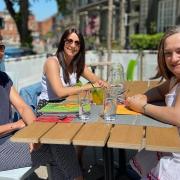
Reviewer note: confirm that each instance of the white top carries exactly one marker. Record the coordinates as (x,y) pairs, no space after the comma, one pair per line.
(168,168)
(47,92)
(159,165)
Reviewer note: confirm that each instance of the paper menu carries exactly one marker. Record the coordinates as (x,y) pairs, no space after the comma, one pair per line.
(122,109)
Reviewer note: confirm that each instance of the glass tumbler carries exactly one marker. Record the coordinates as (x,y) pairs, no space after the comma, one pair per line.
(84,106)
(110,103)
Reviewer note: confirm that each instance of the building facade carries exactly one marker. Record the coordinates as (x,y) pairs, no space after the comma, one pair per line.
(9,31)
(140,16)
(168,14)
(93,19)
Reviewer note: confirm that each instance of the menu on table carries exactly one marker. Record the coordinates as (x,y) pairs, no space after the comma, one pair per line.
(122,109)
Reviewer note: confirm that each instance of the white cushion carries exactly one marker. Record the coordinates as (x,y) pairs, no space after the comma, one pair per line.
(16,174)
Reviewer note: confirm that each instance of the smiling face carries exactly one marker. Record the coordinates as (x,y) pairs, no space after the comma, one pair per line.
(172,54)
(71,46)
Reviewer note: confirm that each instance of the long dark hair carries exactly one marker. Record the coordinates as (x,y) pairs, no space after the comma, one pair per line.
(163,71)
(78,62)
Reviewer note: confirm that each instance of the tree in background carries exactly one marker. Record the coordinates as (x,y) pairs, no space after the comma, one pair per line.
(20,17)
(63,6)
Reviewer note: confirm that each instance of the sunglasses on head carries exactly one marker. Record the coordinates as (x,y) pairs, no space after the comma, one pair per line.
(2,47)
(70,41)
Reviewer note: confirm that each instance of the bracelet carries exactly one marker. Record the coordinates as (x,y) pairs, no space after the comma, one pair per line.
(144,108)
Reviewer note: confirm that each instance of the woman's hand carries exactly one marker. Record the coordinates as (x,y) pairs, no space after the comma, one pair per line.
(103,84)
(136,102)
(19,124)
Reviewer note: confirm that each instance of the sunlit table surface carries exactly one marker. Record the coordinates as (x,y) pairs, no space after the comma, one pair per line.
(127,131)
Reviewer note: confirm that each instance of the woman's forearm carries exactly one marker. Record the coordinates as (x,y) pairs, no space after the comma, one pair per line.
(10,127)
(27,115)
(169,115)
(68,91)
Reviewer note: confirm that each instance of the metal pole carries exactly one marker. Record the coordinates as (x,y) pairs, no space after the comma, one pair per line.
(122,23)
(109,33)
(128,10)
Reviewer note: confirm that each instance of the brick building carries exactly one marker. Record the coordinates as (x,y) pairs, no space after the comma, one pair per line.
(46,26)
(11,35)
(9,32)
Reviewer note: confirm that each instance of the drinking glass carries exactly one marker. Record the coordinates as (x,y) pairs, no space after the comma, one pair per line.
(116,79)
(116,75)
(110,103)
(84,106)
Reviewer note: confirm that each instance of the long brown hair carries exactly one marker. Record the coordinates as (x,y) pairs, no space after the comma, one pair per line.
(78,62)
(163,71)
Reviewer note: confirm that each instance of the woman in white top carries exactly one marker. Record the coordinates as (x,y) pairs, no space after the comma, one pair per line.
(62,71)
(157,165)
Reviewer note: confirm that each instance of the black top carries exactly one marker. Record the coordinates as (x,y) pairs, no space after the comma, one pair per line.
(5,105)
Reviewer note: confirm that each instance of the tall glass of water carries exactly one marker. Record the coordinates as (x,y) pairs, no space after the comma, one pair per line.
(84,106)
(110,103)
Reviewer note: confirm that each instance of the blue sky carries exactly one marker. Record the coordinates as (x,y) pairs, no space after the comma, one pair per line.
(42,9)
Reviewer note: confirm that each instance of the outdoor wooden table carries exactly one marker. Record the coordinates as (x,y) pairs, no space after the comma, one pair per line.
(126,137)
(32,133)
(61,133)
(135,87)
(162,139)
(47,133)
(96,134)
(137,134)
(93,134)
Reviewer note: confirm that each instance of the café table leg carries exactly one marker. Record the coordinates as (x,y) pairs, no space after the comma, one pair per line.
(122,162)
(108,163)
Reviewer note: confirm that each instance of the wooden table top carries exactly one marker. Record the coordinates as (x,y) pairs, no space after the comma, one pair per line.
(32,132)
(136,87)
(93,134)
(97,133)
(126,137)
(162,139)
(61,133)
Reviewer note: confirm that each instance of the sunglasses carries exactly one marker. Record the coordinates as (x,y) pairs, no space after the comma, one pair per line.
(70,41)
(2,47)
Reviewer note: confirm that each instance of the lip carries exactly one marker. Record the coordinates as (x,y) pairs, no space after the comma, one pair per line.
(71,50)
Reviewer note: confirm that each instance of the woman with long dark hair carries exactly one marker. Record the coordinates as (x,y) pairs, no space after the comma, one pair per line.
(62,71)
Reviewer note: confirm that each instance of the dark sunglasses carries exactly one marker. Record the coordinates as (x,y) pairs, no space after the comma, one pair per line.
(2,47)
(70,41)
